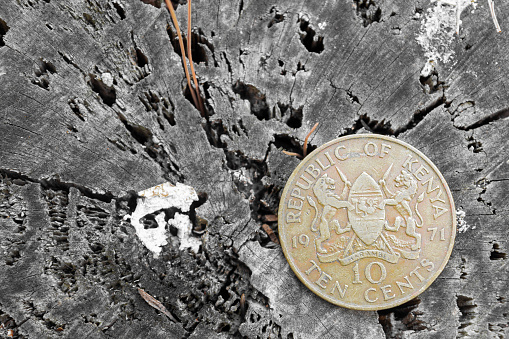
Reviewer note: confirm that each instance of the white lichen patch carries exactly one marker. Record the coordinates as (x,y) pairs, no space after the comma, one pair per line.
(462,225)
(184,226)
(438,29)
(107,79)
(157,198)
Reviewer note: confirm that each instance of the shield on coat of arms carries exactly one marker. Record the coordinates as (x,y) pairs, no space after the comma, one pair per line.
(367,218)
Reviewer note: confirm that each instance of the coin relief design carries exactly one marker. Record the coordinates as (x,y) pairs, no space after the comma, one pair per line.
(367,222)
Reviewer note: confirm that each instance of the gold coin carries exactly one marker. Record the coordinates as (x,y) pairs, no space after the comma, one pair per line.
(367,222)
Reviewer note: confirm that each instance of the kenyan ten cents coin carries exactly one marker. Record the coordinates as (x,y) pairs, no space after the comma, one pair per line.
(367,222)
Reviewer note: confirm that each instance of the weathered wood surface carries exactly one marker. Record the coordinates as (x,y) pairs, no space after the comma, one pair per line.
(93,109)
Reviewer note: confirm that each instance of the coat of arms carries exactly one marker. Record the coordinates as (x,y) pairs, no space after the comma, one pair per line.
(367,232)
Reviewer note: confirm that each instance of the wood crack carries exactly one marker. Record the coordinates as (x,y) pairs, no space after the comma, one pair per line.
(55,183)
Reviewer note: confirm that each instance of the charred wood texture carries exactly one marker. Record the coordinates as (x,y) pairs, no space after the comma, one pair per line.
(94,107)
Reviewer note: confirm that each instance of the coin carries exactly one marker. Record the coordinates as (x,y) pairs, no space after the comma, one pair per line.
(367,222)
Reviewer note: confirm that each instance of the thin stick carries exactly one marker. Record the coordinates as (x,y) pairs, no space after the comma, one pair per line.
(493,15)
(182,50)
(190,56)
(305,148)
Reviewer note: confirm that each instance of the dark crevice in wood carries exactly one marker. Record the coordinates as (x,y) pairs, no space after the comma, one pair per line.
(290,115)
(281,64)
(108,94)
(431,83)
(474,145)
(44,68)
(149,221)
(203,95)
(120,10)
(42,82)
(291,144)
(263,199)
(300,67)
(308,37)
(121,145)
(353,98)
(258,105)
(214,130)
(257,100)
(368,11)
(420,114)
(200,224)
(141,58)
(4,28)
(496,254)
(372,125)
(162,106)
(384,127)
(463,269)
(69,61)
(142,134)
(396,321)
(57,184)
(89,19)
(241,7)
(198,44)
(467,308)
(483,185)
(499,115)
(277,18)
(228,64)
(156,151)
(155,3)
(356,127)
(77,106)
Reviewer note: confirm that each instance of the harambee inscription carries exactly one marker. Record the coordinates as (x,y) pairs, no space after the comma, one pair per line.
(367,222)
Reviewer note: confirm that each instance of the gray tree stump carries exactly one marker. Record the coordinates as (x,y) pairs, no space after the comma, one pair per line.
(94,108)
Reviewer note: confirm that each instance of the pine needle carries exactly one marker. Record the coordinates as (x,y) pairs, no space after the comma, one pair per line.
(493,15)
(156,304)
(305,148)
(190,55)
(293,154)
(182,50)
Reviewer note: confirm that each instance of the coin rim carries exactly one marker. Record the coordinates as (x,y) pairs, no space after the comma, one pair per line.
(394,303)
